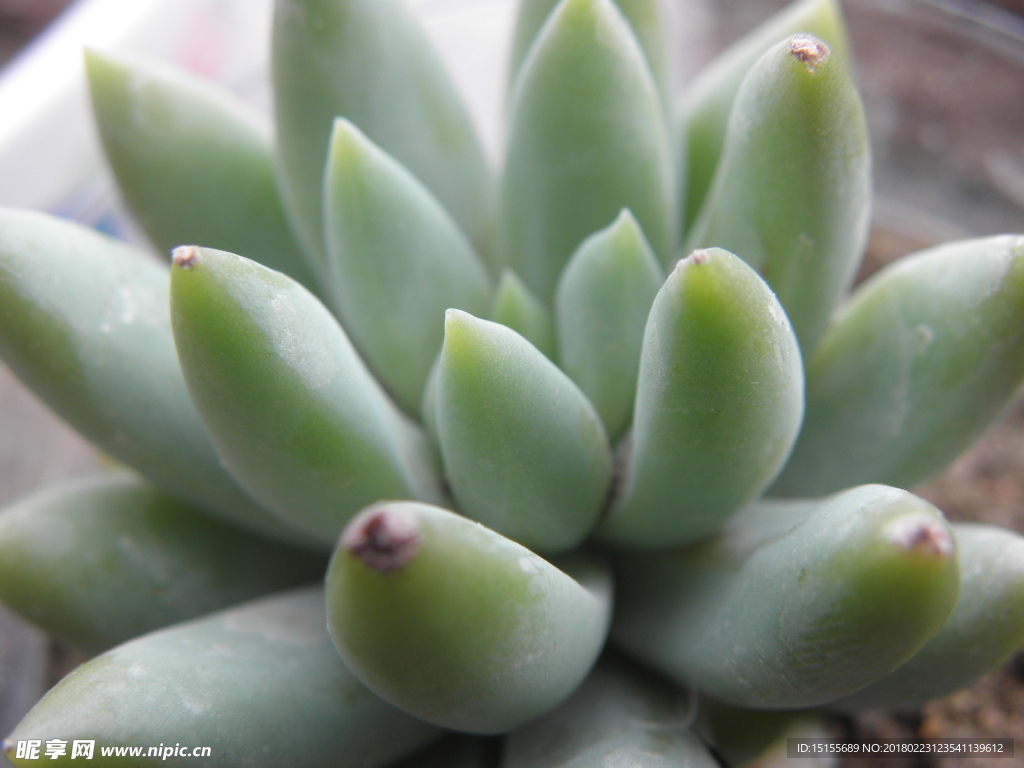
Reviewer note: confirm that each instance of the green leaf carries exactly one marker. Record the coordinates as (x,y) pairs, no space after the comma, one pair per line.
(428,407)
(793,605)
(102,559)
(516,308)
(622,715)
(758,737)
(194,165)
(524,451)
(295,415)
(718,404)
(84,323)
(650,20)
(371,62)
(985,629)
(458,625)
(397,262)
(741,735)
(259,684)
(792,193)
(601,307)
(709,98)
(915,366)
(587,138)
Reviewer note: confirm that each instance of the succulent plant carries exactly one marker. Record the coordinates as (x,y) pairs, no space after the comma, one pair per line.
(619,395)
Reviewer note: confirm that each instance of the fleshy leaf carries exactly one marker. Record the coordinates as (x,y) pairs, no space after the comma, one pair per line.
(84,323)
(718,404)
(295,415)
(759,738)
(709,99)
(458,625)
(622,715)
(524,451)
(915,366)
(371,62)
(397,261)
(793,606)
(792,193)
(259,684)
(100,560)
(194,165)
(516,308)
(650,20)
(601,307)
(587,138)
(985,629)
(741,735)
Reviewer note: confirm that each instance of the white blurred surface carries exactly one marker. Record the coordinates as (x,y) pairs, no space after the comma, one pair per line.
(49,153)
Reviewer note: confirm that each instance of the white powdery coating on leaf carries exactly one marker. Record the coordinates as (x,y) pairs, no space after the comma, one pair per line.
(280,623)
(304,353)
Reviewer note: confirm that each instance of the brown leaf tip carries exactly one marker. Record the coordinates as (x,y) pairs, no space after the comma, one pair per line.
(810,50)
(385,539)
(924,535)
(699,256)
(185,256)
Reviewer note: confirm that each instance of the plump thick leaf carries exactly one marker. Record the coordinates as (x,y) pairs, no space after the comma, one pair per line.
(371,62)
(915,366)
(194,165)
(650,20)
(259,684)
(397,261)
(587,138)
(84,323)
(100,560)
(708,100)
(792,192)
(458,625)
(524,451)
(601,307)
(741,735)
(622,715)
(718,404)
(793,606)
(295,415)
(985,629)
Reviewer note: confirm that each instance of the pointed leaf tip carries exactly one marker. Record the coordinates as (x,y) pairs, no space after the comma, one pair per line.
(524,451)
(923,535)
(602,301)
(185,256)
(584,91)
(384,538)
(478,633)
(719,403)
(459,325)
(810,50)
(345,142)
